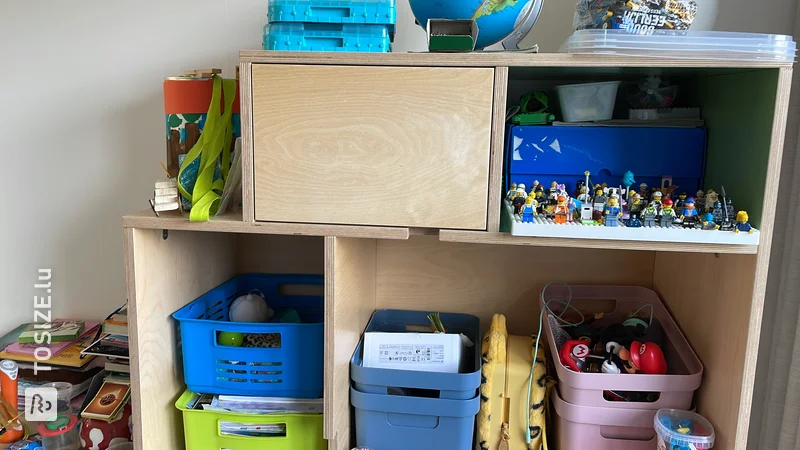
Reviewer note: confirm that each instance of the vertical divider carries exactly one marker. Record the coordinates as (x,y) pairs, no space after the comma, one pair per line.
(163,275)
(498,148)
(350,280)
(248,172)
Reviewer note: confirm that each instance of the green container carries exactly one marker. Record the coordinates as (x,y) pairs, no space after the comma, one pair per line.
(202,430)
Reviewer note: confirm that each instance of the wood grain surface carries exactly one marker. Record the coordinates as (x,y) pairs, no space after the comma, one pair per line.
(390,146)
(350,284)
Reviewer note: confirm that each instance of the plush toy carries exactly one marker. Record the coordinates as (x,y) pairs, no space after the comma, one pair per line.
(506,368)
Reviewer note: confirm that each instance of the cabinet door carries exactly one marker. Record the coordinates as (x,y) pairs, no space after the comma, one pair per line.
(392,146)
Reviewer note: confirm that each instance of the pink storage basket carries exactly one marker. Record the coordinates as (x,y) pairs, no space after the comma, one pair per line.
(597,428)
(586,389)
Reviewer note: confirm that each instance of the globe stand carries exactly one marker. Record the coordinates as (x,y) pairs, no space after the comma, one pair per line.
(524,27)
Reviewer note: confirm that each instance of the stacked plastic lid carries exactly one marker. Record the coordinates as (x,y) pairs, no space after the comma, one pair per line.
(716,45)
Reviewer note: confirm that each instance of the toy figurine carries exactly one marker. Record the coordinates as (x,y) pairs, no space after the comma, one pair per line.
(646,358)
(612,213)
(540,200)
(512,192)
(573,205)
(708,222)
(681,201)
(650,213)
(689,213)
(700,200)
(584,196)
(599,204)
(521,189)
(711,198)
(717,211)
(536,186)
(742,224)
(667,214)
(636,205)
(579,185)
(644,191)
(518,203)
(656,199)
(561,210)
(634,222)
(529,209)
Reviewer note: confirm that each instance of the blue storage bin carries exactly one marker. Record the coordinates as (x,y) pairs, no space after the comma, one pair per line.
(326,37)
(463,385)
(377,12)
(389,422)
(295,369)
(564,153)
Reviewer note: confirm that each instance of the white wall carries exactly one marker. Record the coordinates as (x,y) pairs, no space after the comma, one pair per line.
(82,123)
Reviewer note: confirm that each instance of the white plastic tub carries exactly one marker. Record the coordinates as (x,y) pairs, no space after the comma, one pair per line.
(588,102)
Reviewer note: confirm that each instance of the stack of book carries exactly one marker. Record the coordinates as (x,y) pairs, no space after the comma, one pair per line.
(112,342)
(67,339)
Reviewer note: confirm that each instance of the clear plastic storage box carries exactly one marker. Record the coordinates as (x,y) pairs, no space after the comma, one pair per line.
(716,45)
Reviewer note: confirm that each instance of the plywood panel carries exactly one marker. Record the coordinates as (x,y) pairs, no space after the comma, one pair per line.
(163,276)
(349,303)
(498,148)
(710,298)
(390,146)
(246,99)
(425,274)
(280,254)
(494,59)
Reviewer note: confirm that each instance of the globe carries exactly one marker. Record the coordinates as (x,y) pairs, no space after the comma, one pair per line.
(496,19)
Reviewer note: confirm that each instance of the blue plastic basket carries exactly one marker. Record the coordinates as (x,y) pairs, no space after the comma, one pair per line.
(326,37)
(463,385)
(295,369)
(388,422)
(377,12)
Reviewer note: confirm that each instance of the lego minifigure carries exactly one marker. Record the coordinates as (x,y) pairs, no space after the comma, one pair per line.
(521,190)
(605,189)
(644,191)
(700,200)
(536,186)
(636,205)
(529,209)
(742,223)
(667,214)
(518,203)
(689,213)
(717,212)
(612,213)
(540,200)
(561,210)
(708,222)
(650,214)
(599,204)
(634,222)
(579,185)
(584,196)
(512,192)
(711,198)
(679,204)
(656,201)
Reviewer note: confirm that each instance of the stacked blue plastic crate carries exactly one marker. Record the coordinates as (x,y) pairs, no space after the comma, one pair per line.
(330,25)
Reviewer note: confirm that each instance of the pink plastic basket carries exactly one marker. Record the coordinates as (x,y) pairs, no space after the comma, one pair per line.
(685,372)
(597,428)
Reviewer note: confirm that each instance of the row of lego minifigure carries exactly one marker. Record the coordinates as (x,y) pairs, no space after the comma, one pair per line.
(613,207)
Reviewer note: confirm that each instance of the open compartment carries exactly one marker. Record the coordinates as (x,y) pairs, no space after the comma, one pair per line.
(709,296)
(743,112)
(166,271)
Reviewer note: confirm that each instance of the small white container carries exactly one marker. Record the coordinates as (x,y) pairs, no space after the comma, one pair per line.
(588,102)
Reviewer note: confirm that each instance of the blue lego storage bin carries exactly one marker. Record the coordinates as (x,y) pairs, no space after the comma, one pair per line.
(326,37)
(462,385)
(389,422)
(675,156)
(376,12)
(294,368)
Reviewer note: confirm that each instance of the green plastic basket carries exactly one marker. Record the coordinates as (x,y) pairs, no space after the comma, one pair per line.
(202,430)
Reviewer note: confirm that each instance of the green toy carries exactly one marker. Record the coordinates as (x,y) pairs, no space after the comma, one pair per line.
(534,109)
(230,339)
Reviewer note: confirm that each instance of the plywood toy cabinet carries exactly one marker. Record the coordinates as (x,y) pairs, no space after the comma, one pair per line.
(383,172)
